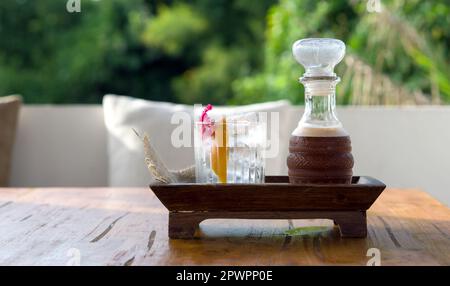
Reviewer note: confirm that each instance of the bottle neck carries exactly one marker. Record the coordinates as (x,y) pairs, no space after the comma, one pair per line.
(320,104)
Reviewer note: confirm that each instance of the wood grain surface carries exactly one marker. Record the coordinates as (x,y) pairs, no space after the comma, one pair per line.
(128,226)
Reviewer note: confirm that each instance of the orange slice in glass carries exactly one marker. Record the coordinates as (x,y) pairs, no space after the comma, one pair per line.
(219,151)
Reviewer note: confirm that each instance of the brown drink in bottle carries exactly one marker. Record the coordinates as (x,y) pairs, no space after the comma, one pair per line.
(319,148)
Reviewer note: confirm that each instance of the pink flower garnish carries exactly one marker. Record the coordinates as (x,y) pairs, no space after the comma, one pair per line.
(205,111)
(207,129)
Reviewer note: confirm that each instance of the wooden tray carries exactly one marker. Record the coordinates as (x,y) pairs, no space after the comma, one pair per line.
(345,204)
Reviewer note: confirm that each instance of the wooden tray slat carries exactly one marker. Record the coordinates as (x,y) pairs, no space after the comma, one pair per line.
(275,195)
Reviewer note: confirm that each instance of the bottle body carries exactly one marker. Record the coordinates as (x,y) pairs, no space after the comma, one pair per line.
(320,160)
(320,148)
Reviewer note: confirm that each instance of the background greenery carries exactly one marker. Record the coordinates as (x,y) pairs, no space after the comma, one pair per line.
(221,51)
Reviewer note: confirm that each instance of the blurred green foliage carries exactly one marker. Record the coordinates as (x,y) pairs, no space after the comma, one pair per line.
(408,41)
(203,51)
(186,51)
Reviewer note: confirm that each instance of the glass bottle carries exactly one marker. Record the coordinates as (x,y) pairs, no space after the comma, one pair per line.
(319,148)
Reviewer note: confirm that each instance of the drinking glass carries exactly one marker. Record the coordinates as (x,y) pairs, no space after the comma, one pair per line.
(230,149)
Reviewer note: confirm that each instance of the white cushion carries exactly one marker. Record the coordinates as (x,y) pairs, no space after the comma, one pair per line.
(60,146)
(125,151)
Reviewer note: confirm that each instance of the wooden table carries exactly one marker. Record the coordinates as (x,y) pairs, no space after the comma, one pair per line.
(117,226)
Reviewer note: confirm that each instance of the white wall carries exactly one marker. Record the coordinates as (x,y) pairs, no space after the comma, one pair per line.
(406,147)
